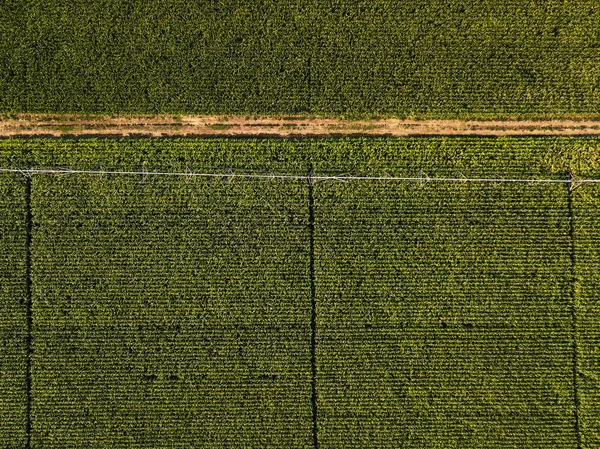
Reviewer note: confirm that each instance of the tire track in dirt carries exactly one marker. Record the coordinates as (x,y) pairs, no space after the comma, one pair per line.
(30,125)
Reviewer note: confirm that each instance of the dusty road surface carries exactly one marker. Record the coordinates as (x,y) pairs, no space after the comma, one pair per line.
(171,125)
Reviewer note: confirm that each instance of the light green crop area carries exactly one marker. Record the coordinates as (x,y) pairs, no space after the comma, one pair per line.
(213,312)
(444,316)
(586,221)
(181,316)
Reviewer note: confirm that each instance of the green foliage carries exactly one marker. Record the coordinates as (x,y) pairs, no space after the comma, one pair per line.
(13,324)
(443,315)
(419,58)
(134,56)
(170,155)
(13,56)
(181,316)
(506,157)
(176,311)
(586,221)
(456,58)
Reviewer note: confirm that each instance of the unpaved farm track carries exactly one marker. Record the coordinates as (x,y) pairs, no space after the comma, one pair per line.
(72,125)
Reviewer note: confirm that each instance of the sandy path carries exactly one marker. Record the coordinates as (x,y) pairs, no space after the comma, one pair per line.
(164,125)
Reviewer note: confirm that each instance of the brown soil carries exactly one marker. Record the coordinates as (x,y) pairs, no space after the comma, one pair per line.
(169,125)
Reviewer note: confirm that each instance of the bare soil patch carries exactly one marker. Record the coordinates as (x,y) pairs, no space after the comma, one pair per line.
(173,125)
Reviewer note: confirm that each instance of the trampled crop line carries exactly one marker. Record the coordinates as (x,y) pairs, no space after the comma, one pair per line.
(313,177)
(313,305)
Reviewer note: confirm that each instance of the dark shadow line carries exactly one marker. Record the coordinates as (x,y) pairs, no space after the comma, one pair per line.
(313,317)
(573,298)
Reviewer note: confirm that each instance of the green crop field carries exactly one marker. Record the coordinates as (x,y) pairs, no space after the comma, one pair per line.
(183,310)
(445,316)
(269,312)
(419,58)
(13,299)
(586,204)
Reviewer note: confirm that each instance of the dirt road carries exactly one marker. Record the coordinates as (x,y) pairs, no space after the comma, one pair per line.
(167,125)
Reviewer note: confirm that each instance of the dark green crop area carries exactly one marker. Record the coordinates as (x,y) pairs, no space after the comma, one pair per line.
(424,58)
(215,312)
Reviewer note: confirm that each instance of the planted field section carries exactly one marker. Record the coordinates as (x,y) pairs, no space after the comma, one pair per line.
(456,59)
(170,312)
(418,57)
(586,222)
(175,311)
(443,315)
(221,57)
(13,310)
(13,56)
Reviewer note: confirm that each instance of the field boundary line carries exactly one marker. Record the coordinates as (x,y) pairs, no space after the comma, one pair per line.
(312,177)
(573,298)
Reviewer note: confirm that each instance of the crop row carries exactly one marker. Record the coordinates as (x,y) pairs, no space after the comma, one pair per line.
(507,157)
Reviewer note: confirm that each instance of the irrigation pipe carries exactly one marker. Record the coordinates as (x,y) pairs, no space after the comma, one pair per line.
(313,177)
